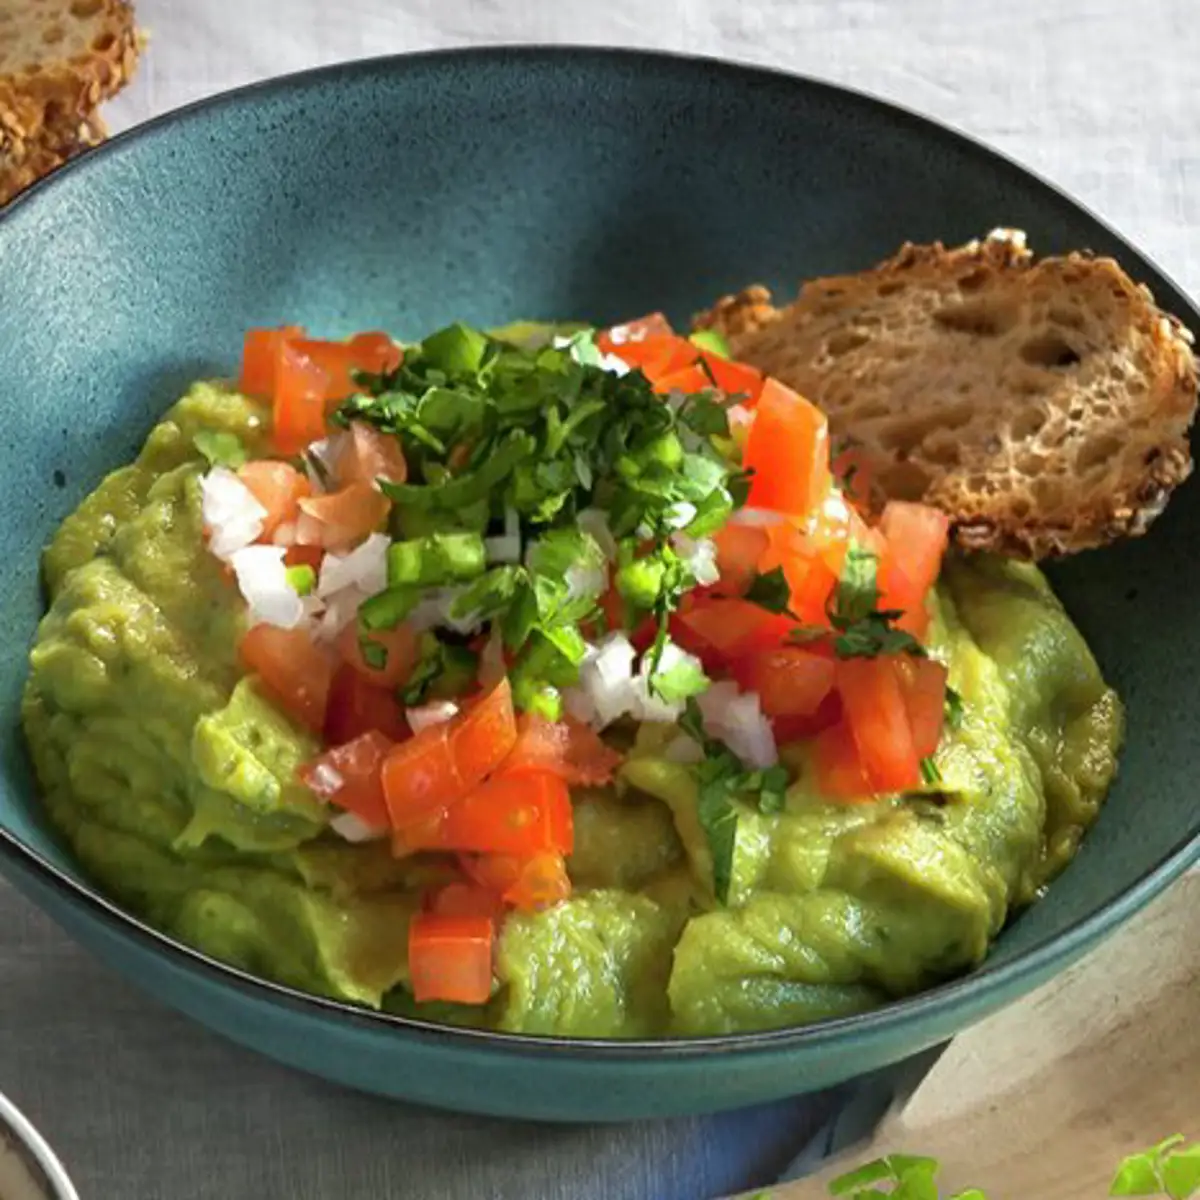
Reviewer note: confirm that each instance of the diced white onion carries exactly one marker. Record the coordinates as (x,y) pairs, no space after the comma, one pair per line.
(608,687)
(433,611)
(586,583)
(262,580)
(340,610)
(739,416)
(233,516)
(285,534)
(364,568)
(614,365)
(326,780)
(436,712)
(680,515)
(594,523)
(699,555)
(736,718)
(353,828)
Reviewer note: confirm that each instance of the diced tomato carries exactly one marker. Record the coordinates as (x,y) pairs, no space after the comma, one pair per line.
(292,668)
(369,455)
(298,400)
(877,716)
(791,681)
(484,734)
(465,900)
(356,706)
(260,359)
(343,517)
(720,631)
(277,486)
(810,579)
(494,872)
(915,538)
(839,767)
(420,777)
(788,450)
(304,556)
(357,764)
(518,814)
(923,682)
(371,352)
(637,330)
(803,728)
(689,380)
(740,549)
(568,748)
(741,383)
(657,354)
(543,882)
(450,958)
(402,647)
(829,530)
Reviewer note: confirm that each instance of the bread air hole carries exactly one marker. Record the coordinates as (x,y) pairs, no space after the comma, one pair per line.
(1027,423)
(1049,349)
(85,8)
(844,341)
(980,318)
(1095,452)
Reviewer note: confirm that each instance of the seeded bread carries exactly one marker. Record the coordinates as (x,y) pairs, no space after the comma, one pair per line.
(59,59)
(57,145)
(1045,405)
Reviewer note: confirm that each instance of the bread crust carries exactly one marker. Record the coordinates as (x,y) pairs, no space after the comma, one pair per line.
(1044,405)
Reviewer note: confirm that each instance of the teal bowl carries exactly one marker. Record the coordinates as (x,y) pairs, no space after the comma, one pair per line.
(541,183)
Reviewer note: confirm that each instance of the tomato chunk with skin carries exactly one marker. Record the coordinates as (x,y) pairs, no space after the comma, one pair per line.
(343,517)
(542,882)
(298,400)
(518,814)
(292,669)
(790,681)
(484,734)
(450,958)
(356,706)
(349,776)
(688,380)
(915,537)
(374,353)
(260,359)
(719,631)
(839,767)
(401,647)
(420,777)
(923,682)
(568,748)
(741,383)
(465,900)
(494,872)
(877,715)
(369,455)
(278,487)
(788,450)
(740,550)
(637,330)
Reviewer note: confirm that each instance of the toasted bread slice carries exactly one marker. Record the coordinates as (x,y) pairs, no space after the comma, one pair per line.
(1044,405)
(58,60)
(58,145)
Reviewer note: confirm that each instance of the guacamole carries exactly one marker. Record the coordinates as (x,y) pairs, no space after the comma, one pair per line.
(173,778)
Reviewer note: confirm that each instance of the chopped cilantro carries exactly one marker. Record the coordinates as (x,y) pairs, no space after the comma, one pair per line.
(929,771)
(680,681)
(770,591)
(954,709)
(863,631)
(221,448)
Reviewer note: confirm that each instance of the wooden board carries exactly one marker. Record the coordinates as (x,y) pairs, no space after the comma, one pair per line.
(1046,1097)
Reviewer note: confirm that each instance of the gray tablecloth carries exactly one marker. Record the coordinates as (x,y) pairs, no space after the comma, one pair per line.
(1100,96)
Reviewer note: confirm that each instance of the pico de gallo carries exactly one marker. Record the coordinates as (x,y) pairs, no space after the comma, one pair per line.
(471,566)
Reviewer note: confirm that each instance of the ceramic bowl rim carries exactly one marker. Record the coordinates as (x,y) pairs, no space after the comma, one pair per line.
(981,983)
(36,1152)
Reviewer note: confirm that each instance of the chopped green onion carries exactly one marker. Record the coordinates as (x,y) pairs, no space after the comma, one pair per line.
(640,581)
(438,558)
(301,579)
(388,608)
(374,653)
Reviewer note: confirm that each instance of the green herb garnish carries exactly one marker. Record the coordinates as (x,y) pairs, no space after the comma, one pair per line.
(954,709)
(440,558)
(863,630)
(374,653)
(221,448)
(770,591)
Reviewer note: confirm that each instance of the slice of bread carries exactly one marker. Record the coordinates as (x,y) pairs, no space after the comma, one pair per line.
(58,60)
(1044,405)
(58,144)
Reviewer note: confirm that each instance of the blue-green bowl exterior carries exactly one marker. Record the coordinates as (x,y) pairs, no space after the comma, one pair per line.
(485,185)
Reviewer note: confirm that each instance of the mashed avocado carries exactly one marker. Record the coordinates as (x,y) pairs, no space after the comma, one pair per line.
(173,780)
